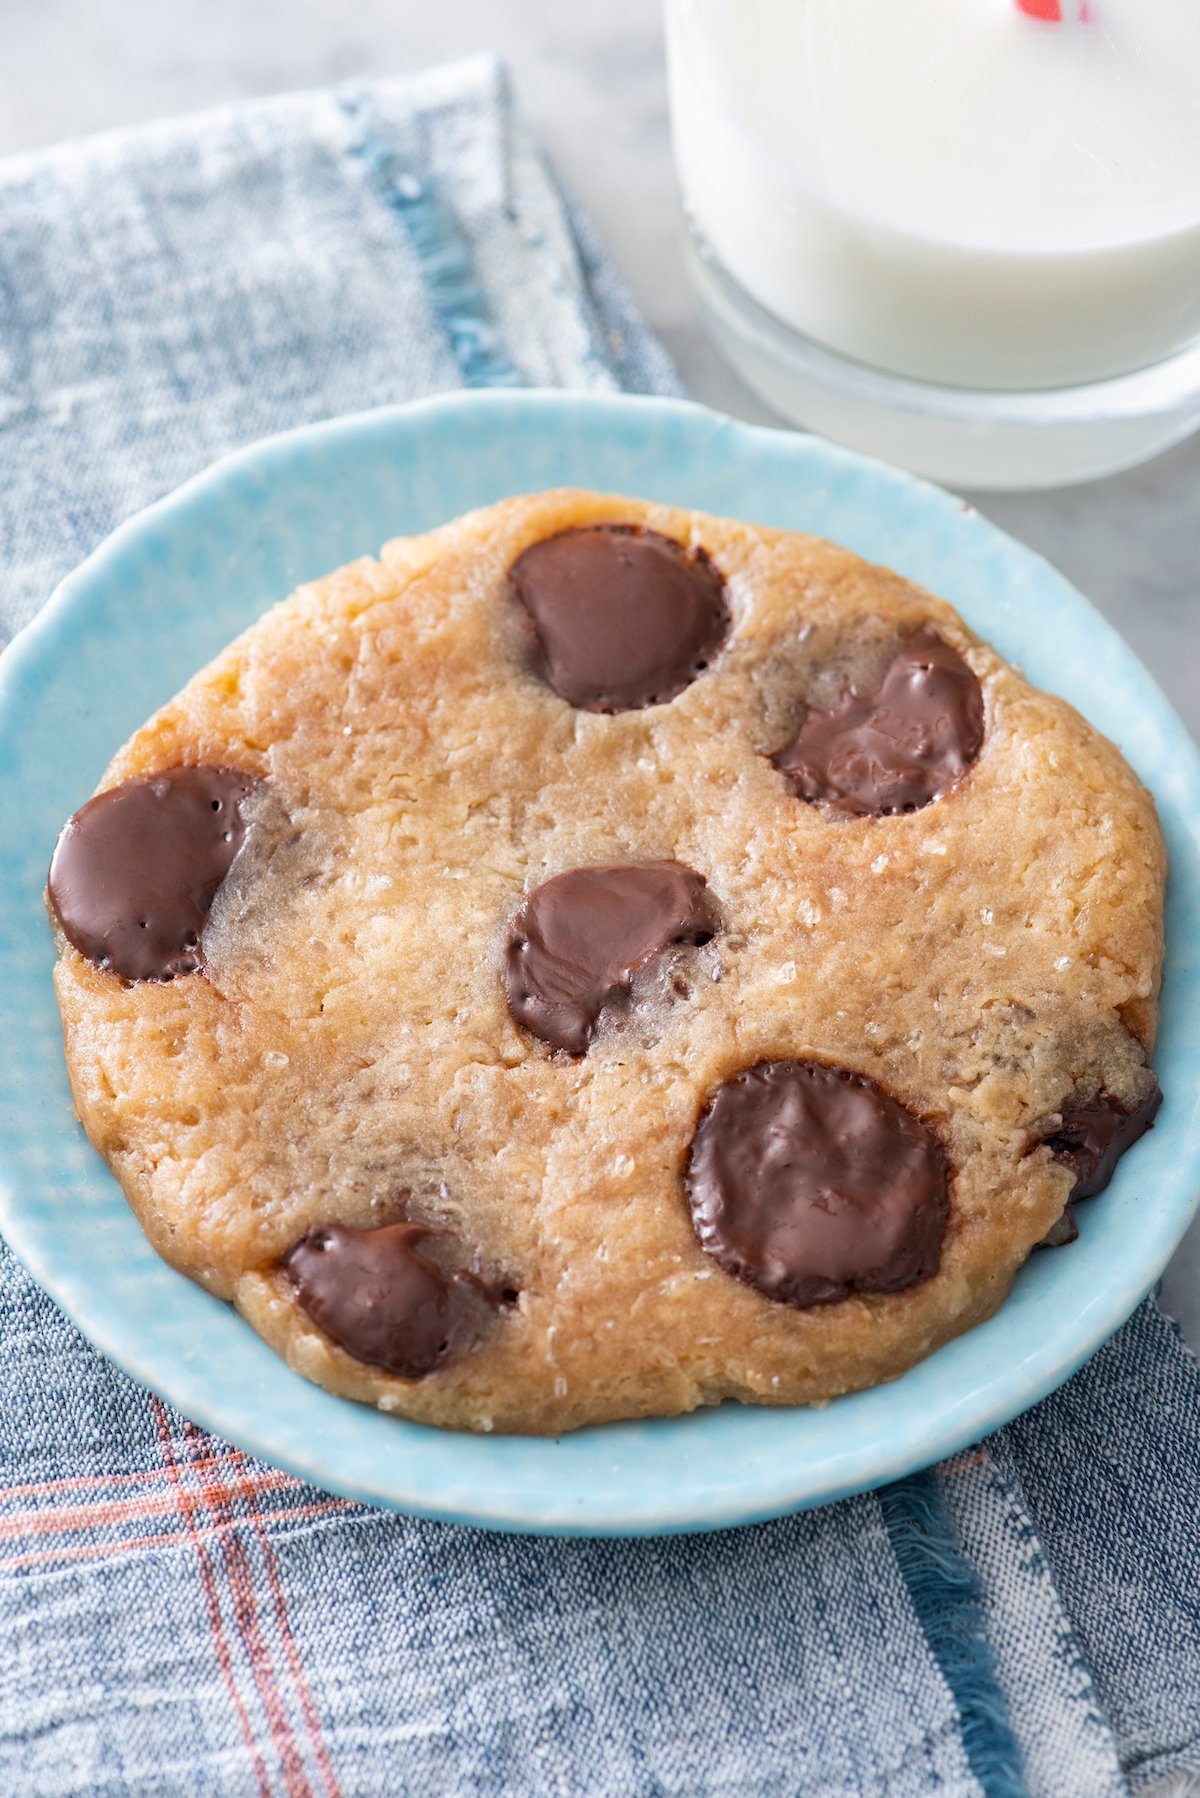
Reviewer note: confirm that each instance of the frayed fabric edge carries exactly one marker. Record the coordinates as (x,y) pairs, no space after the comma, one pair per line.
(946,1596)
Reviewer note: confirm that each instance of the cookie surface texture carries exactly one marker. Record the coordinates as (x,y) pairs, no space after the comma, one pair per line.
(892,906)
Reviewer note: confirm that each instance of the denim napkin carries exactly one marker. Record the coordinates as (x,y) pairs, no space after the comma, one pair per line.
(176,1617)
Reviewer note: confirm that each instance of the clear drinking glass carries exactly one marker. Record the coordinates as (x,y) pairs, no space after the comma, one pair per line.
(963,234)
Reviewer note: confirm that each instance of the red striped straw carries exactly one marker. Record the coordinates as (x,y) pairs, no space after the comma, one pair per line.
(1057,12)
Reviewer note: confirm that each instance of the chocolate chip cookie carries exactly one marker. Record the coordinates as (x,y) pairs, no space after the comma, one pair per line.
(598,959)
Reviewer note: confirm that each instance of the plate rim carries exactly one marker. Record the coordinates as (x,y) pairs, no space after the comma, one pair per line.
(961,1423)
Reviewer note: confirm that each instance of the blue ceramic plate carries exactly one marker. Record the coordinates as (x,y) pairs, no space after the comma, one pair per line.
(171,587)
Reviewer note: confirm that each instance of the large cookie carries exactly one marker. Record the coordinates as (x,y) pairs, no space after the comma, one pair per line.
(597,960)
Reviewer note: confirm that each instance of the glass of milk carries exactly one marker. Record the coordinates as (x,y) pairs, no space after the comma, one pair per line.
(963,234)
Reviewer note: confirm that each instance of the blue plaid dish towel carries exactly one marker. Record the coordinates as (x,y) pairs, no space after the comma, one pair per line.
(179,1618)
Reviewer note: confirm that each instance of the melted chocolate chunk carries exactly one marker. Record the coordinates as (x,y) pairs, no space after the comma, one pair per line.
(380,1299)
(1095,1134)
(137,868)
(621,617)
(1065,1231)
(898,749)
(810,1183)
(1092,1138)
(578,940)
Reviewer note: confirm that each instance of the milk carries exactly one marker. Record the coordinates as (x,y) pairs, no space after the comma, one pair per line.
(950,190)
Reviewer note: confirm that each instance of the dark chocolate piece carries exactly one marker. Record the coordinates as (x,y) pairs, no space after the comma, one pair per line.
(898,749)
(379,1298)
(136,870)
(621,617)
(810,1183)
(1091,1139)
(1065,1231)
(577,941)
(1094,1135)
